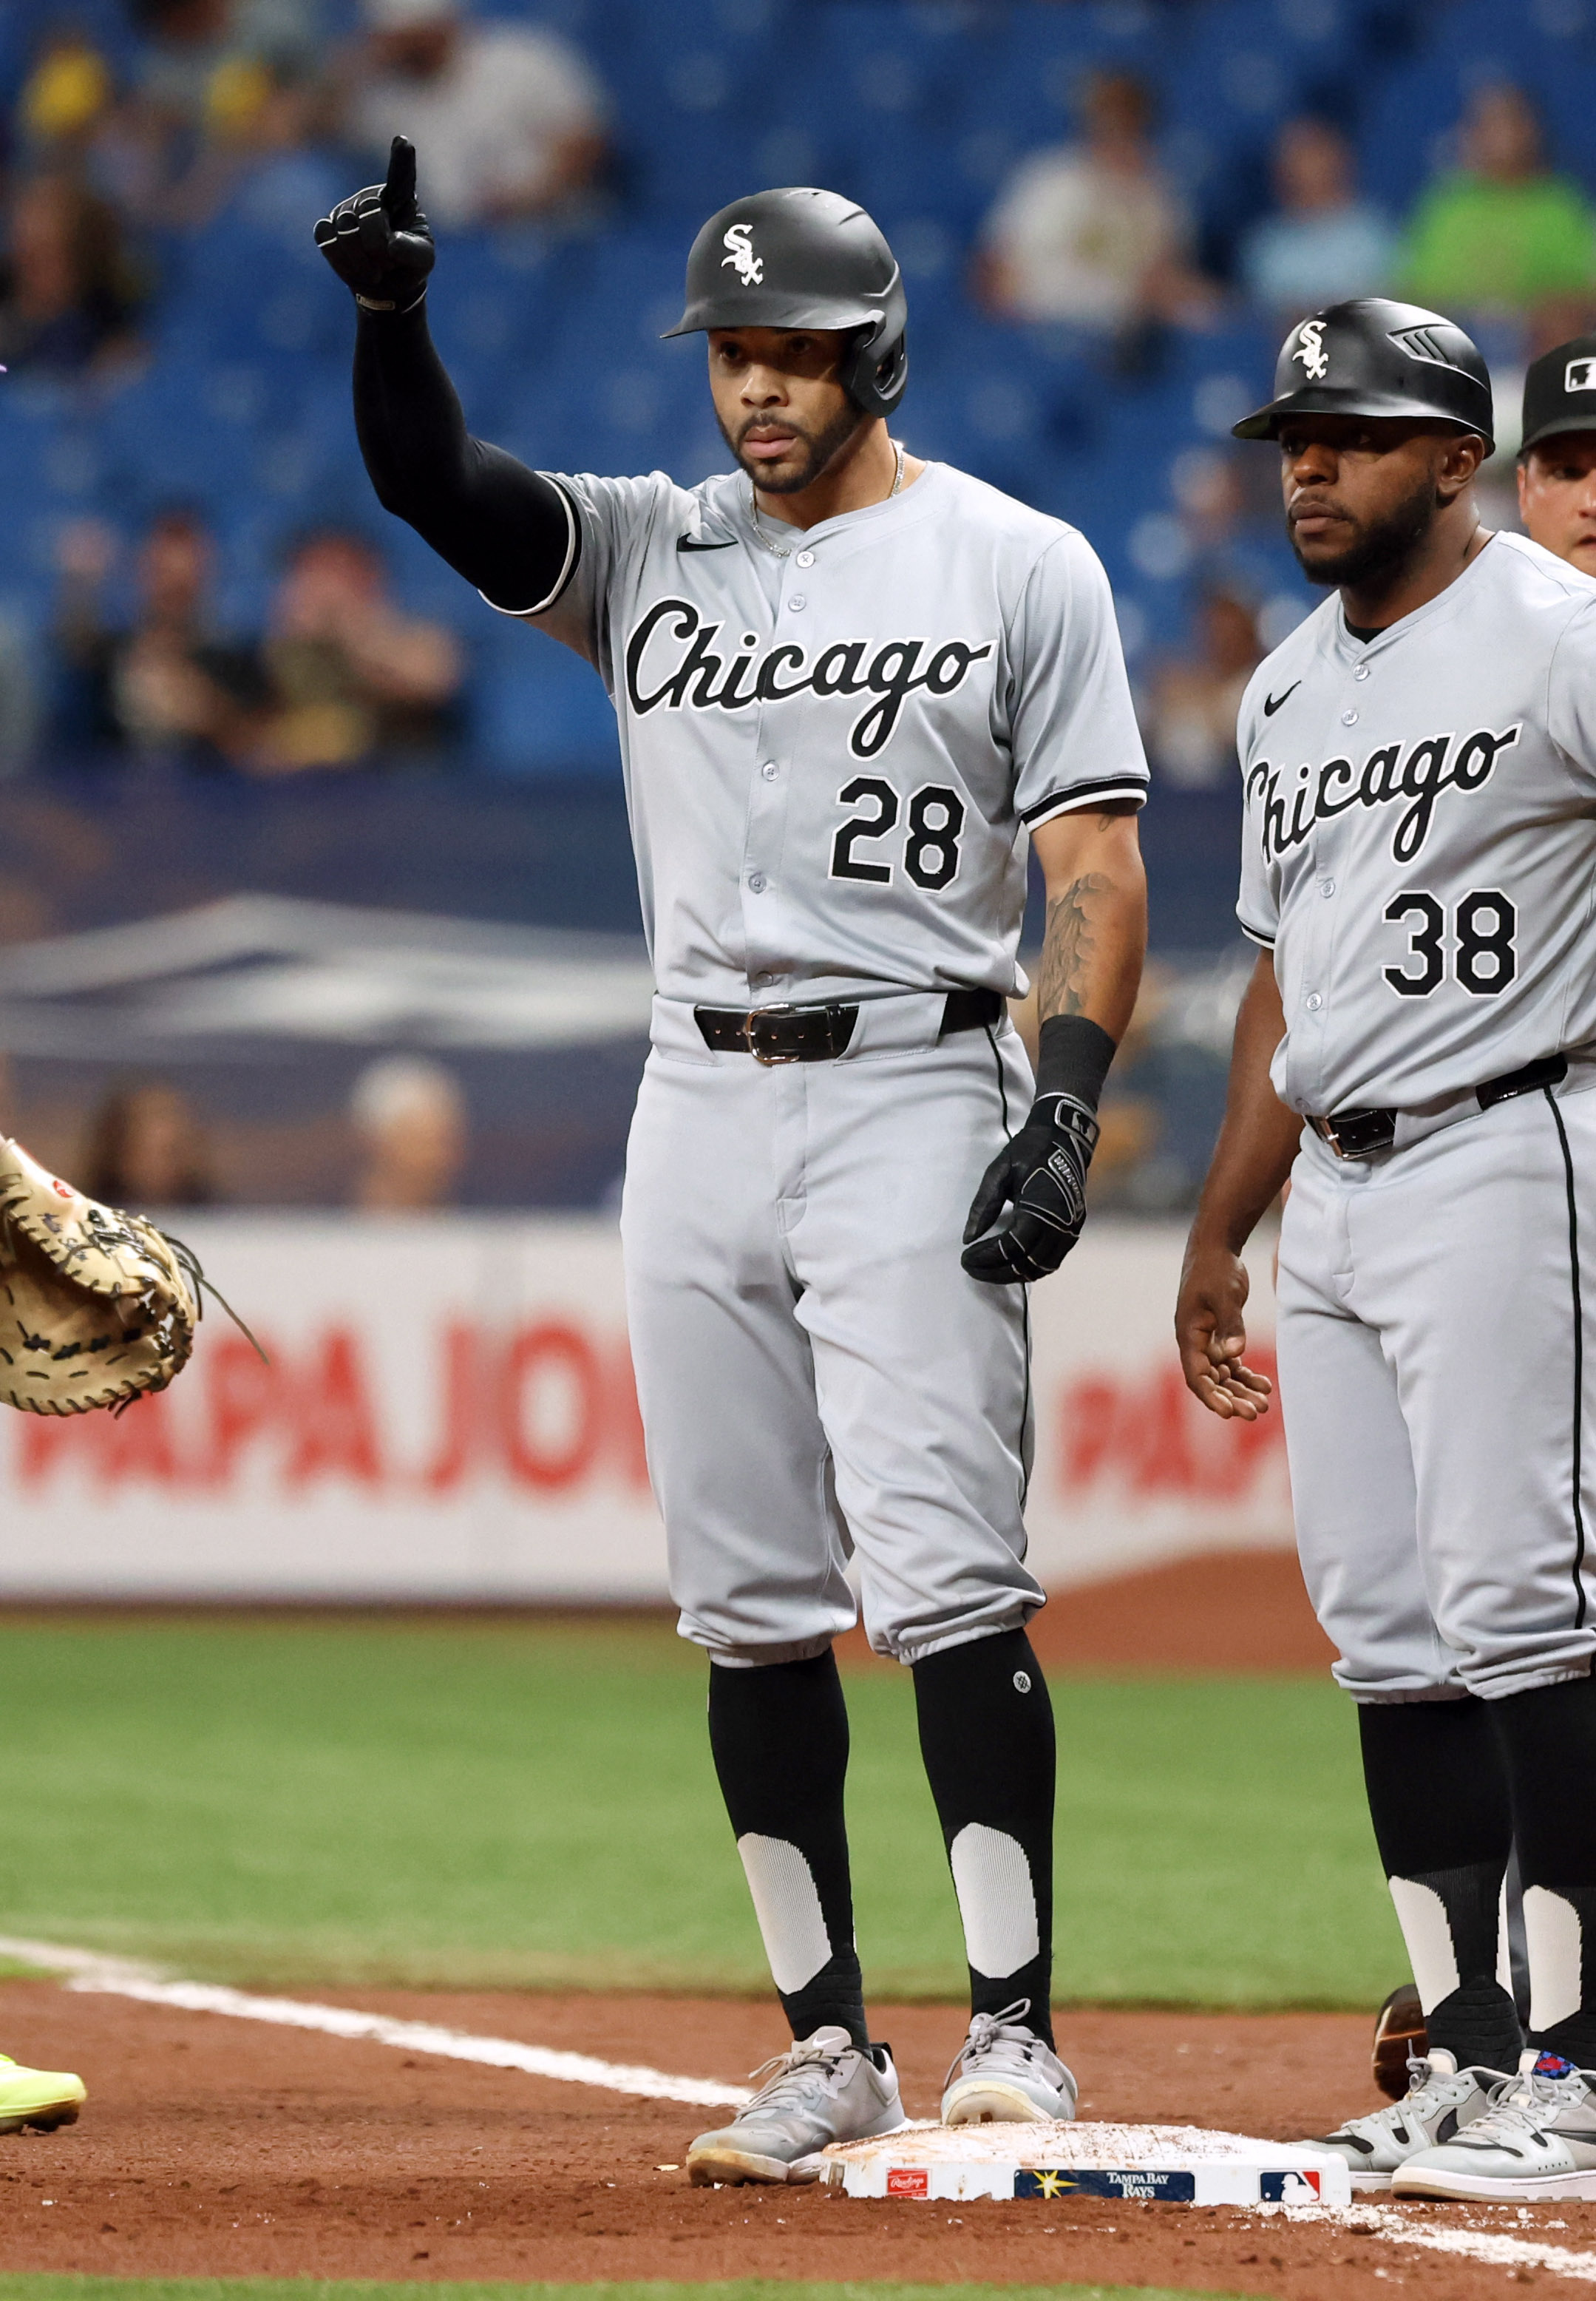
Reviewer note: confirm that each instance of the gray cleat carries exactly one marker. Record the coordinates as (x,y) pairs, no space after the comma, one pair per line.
(824,2089)
(1003,2074)
(1537,2141)
(1441,2099)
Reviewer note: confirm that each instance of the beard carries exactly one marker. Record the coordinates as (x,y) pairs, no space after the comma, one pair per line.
(818,449)
(1380,550)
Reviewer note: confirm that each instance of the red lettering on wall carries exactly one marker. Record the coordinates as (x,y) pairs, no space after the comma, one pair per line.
(1149,1435)
(335,1433)
(551,1407)
(463,1386)
(139,1445)
(241,1399)
(552,1403)
(44,1442)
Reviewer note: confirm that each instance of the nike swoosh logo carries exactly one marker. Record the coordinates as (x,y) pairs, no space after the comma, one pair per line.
(686,543)
(1272,703)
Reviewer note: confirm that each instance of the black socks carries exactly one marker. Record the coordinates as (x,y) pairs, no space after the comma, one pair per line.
(986,1734)
(1549,1740)
(779,1734)
(1438,1796)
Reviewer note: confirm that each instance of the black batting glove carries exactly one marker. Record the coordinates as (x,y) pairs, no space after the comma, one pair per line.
(379,242)
(1043,1171)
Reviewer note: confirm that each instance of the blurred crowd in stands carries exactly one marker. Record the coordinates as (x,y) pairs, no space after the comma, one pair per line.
(144,1143)
(1095,291)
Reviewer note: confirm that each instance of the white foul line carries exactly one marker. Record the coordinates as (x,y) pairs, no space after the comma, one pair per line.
(1399,2227)
(119,1977)
(92,1972)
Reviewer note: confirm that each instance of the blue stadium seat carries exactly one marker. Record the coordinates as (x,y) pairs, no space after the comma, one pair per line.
(538,709)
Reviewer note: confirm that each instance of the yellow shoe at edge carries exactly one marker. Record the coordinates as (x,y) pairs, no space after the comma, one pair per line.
(45,2099)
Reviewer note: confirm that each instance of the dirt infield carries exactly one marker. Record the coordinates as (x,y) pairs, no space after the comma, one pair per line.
(218,2148)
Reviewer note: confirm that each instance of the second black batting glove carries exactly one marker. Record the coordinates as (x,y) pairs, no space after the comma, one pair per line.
(1041,1170)
(379,242)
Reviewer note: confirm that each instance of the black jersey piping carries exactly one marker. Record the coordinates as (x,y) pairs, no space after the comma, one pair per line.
(1579,1365)
(1126,786)
(991,1040)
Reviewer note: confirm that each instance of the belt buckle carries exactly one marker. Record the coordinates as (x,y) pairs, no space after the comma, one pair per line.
(1359,1135)
(755,1016)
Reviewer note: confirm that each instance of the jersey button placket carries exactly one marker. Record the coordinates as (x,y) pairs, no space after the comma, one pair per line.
(767,833)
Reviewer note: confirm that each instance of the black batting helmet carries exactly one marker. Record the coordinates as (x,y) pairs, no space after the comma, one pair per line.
(801,258)
(1374,357)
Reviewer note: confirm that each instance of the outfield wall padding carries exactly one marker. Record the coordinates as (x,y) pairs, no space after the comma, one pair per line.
(449,1415)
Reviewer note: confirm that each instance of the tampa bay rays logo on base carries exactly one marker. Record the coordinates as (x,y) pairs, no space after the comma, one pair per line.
(740,238)
(1310,351)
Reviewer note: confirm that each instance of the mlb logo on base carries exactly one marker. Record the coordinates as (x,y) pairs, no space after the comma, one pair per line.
(1580,375)
(1296,2188)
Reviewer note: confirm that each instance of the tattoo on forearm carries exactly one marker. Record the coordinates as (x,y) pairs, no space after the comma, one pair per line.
(1067,947)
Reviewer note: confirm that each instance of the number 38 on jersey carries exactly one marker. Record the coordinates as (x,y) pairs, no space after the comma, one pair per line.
(1475,946)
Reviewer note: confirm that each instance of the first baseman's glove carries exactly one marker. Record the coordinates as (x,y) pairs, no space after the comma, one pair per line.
(378,240)
(1043,1170)
(95,1306)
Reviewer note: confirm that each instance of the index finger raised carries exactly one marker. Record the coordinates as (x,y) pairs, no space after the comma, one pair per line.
(398,192)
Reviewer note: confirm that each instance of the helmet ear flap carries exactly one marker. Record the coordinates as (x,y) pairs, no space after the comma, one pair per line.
(876,381)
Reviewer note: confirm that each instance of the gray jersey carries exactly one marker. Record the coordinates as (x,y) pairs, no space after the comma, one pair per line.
(1419,845)
(829,753)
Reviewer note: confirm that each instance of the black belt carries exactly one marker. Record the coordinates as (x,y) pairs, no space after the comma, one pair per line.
(818,1034)
(1360,1133)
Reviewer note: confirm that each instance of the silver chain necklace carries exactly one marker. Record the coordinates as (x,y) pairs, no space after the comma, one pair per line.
(784,550)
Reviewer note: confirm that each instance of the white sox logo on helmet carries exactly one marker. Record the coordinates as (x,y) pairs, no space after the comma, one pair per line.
(749,267)
(1310,351)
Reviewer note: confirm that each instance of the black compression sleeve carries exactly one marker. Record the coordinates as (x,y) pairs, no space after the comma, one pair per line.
(507,530)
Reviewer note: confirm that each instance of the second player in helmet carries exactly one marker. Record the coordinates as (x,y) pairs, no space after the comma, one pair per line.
(1557,502)
(1419,772)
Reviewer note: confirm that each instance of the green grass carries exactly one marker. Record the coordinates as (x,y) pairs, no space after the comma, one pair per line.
(450,1803)
(272,2289)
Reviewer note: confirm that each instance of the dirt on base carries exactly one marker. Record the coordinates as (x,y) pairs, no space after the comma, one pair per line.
(216,2147)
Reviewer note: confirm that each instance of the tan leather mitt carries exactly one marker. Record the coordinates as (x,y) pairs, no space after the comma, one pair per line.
(95,1306)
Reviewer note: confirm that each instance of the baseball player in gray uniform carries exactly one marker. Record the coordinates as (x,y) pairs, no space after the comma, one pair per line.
(1416,1052)
(1557,502)
(847,684)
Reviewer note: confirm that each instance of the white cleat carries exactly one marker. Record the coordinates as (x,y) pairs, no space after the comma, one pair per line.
(1440,2100)
(1536,2142)
(1003,2074)
(822,2089)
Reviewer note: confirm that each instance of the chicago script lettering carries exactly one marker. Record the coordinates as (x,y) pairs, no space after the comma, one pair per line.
(1290,800)
(670,660)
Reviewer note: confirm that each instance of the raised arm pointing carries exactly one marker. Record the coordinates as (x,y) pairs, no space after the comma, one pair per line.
(507,530)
